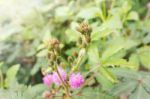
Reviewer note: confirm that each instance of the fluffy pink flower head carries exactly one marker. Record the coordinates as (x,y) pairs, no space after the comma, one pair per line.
(48,80)
(76,80)
(148,5)
(56,78)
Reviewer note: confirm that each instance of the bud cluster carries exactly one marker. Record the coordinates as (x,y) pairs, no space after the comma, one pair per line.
(54,44)
(85,30)
(53,50)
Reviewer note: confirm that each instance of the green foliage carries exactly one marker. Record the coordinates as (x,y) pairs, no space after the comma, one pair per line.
(88,93)
(117,51)
(17,91)
(11,73)
(135,85)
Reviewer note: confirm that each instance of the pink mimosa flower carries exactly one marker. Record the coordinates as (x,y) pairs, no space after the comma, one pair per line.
(56,77)
(48,80)
(76,80)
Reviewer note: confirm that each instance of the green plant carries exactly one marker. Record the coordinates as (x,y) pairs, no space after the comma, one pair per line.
(107,41)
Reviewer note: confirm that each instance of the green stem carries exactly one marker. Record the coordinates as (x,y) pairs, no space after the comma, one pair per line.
(77,64)
(63,83)
(147,15)
(1,79)
(104,9)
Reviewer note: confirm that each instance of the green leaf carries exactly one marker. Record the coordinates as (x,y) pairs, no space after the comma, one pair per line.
(93,57)
(100,33)
(133,15)
(11,73)
(88,13)
(104,82)
(125,73)
(107,28)
(108,74)
(113,20)
(128,43)
(144,54)
(126,7)
(63,13)
(88,93)
(115,46)
(124,88)
(140,93)
(40,62)
(1,64)
(120,63)
(42,53)
(134,59)
(146,39)
(146,82)
(72,35)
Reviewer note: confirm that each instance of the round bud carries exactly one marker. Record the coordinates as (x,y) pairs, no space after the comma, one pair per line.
(75,54)
(70,59)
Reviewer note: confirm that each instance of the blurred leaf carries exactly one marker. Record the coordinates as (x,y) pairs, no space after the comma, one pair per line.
(146,39)
(93,57)
(144,54)
(100,33)
(107,28)
(108,74)
(63,13)
(120,62)
(11,73)
(126,7)
(104,82)
(140,93)
(40,62)
(72,35)
(133,16)
(41,46)
(134,59)
(42,53)
(124,88)
(88,13)
(1,64)
(88,93)
(125,73)
(115,46)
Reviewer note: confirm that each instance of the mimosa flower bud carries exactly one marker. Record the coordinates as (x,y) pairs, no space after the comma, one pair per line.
(75,54)
(47,95)
(82,52)
(54,43)
(70,59)
(84,28)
